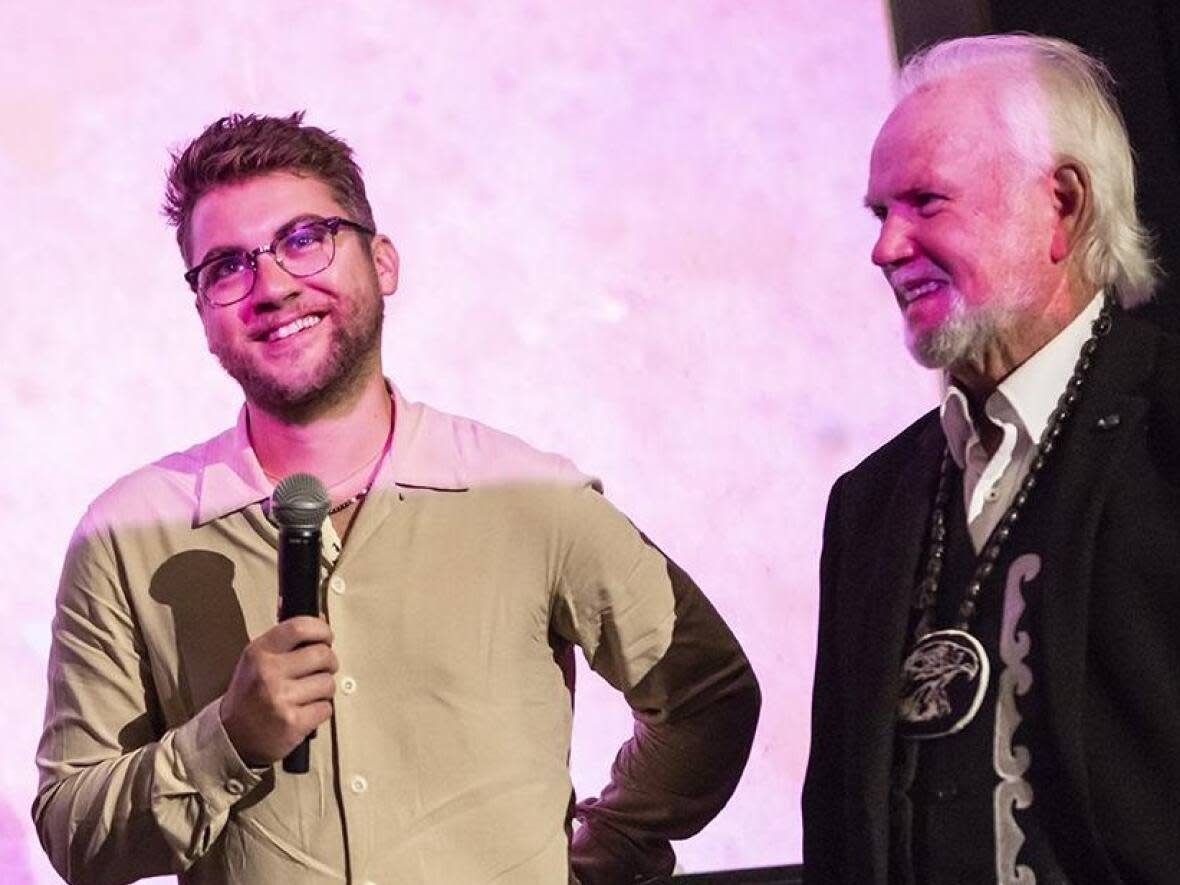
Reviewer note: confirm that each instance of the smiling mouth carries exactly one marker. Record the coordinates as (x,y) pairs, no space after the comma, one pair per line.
(294,327)
(908,294)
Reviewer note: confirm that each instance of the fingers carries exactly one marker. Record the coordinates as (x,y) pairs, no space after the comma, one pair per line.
(281,690)
(292,633)
(310,690)
(306,660)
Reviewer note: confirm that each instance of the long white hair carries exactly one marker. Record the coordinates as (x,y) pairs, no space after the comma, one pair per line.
(1085,127)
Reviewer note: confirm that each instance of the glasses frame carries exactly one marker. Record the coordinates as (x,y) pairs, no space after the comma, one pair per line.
(333,224)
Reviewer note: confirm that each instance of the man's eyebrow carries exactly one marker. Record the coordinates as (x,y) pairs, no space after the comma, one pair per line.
(298,221)
(217,252)
(286,228)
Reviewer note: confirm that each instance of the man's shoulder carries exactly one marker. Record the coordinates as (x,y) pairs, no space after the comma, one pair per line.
(894,456)
(476,454)
(163,490)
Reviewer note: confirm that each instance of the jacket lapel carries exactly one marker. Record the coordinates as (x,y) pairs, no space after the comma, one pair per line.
(891,569)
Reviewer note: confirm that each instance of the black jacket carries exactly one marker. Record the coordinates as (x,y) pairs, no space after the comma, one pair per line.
(1108,516)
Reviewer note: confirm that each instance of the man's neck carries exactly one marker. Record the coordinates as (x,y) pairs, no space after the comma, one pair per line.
(336,447)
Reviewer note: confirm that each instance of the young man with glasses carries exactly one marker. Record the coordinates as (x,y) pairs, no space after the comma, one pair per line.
(461,568)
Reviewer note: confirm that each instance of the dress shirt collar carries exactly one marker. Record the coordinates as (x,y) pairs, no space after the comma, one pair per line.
(231,477)
(1028,395)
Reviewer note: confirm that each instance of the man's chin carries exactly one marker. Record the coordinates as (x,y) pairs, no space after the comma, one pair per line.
(294,400)
(933,349)
(954,341)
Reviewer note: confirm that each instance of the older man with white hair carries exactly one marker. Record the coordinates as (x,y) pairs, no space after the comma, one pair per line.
(997,687)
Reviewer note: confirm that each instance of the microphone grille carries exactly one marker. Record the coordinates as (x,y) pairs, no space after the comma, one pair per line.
(299,501)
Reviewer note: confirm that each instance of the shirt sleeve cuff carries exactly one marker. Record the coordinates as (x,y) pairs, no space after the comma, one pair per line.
(209,761)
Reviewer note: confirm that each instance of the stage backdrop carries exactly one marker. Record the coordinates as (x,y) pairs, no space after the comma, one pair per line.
(630,232)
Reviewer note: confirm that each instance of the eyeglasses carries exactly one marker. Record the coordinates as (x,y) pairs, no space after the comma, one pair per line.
(304,251)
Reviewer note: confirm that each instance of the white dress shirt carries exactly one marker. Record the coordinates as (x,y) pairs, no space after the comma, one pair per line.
(1020,406)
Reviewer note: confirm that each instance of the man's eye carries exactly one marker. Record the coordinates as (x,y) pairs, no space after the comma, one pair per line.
(225,267)
(307,237)
(927,203)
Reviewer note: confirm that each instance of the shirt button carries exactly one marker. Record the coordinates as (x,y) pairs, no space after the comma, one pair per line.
(994,494)
(336,585)
(235,787)
(358,784)
(348,685)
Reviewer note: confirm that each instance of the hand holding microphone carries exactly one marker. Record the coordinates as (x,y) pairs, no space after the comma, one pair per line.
(283,684)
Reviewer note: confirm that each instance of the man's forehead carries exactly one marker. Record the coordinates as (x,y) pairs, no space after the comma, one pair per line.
(250,211)
(946,122)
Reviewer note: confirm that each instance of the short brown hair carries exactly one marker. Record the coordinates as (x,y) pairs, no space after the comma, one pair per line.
(241,146)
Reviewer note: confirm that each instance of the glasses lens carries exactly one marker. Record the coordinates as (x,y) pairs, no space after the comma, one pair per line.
(225,280)
(307,249)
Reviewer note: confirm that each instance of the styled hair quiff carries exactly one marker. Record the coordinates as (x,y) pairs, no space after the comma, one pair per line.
(242,146)
(1048,76)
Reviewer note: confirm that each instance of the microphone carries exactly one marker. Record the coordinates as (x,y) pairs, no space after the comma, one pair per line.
(299,506)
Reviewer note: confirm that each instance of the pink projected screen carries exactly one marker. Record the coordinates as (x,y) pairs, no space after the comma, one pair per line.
(630,232)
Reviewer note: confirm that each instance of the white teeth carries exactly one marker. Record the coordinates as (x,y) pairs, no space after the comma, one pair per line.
(291,328)
(912,294)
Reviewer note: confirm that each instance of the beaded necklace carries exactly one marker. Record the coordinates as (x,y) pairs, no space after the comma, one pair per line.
(934,701)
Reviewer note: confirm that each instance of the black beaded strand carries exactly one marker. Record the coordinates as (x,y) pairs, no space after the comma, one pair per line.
(985,565)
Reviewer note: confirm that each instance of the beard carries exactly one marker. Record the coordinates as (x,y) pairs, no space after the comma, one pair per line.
(967,332)
(961,337)
(352,353)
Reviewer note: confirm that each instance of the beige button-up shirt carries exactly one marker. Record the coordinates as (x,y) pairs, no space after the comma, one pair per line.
(470,570)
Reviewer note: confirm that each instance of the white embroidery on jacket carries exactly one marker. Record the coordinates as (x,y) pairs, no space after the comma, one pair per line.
(1012,761)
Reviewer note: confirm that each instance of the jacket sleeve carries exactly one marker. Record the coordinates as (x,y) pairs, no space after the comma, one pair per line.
(646,627)
(120,797)
(823,791)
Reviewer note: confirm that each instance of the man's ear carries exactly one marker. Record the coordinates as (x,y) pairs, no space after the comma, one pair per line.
(386,263)
(1073,207)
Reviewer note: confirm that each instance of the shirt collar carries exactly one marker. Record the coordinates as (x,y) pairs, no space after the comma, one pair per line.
(230,478)
(1028,395)
(423,454)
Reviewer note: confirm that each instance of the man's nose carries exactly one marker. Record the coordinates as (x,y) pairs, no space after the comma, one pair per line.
(894,243)
(272,283)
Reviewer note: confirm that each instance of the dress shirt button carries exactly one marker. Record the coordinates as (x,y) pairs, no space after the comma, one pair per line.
(347,684)
(336,585)
(993,494)
(358,784)
(235,787)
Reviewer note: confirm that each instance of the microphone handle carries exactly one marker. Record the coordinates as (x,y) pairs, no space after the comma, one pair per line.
(299,587)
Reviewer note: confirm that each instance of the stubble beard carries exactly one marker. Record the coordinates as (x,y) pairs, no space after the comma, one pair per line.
(352,353)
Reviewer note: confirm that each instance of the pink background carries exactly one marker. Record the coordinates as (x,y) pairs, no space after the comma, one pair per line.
(630,232)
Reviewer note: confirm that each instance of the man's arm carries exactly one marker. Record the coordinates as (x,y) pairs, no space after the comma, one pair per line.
(121,796)
(649,630)
(823,793)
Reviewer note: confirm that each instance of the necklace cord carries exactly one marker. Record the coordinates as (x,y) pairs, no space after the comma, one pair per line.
(986,562)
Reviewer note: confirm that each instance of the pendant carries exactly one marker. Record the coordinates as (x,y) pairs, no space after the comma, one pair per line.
(944,680)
